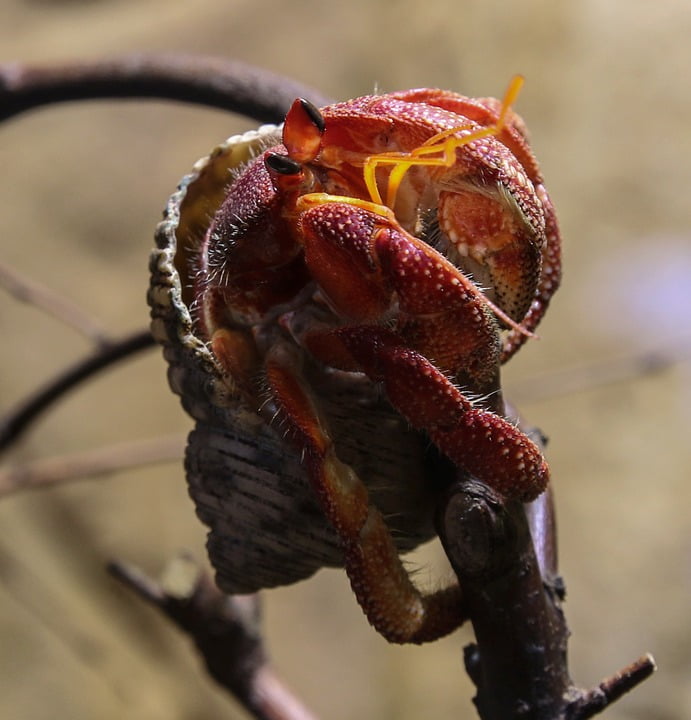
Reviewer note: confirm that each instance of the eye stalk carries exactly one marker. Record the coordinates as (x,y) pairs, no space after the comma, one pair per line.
(282,164)
(303,130)
(287,176)
(313,113)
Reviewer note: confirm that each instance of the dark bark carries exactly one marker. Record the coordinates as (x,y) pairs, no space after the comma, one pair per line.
(519,662)
(208,81)
(226,631)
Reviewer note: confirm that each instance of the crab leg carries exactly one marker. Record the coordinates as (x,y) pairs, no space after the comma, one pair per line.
(392,604)
(444,329)
(366,264)
(478,441)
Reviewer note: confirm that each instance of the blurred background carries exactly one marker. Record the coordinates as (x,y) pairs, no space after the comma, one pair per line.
(608,103)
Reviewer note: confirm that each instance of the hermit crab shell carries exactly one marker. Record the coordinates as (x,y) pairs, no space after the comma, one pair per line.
(247,482)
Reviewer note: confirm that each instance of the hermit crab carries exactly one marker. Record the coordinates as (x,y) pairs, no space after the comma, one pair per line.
(335,298)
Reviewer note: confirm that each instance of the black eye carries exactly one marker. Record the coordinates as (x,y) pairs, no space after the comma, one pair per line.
(282,164)
(313,113)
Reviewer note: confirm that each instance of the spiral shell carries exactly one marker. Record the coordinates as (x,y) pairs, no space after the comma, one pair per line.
(248,484)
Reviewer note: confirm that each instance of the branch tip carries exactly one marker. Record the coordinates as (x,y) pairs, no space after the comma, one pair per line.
(594,701)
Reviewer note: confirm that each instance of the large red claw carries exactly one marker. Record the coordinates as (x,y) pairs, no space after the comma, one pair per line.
(338,241)
(478,441)
(365,264)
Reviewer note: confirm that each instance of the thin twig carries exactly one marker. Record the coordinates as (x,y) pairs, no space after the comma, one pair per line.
(611,689)
(52,303)
(572,380)
(226,632)
(209,81)
(52,471)
(17,420)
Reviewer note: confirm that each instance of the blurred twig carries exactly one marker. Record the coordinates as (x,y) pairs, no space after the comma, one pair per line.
(92,463)
(17,420)
(29,291)
(225,630)
(572,380)
(207,81)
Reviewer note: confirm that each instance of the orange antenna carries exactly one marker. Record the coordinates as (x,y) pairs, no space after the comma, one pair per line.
(442,147)
(310,200)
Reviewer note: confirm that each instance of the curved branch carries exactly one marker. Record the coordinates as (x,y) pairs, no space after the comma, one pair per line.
(212,82)
(225,630)
(209,81)
(16,421)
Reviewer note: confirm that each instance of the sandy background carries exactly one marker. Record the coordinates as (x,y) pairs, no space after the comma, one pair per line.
(608,102)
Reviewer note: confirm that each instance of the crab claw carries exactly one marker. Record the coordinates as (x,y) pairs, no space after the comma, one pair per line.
(477,440)
(498,236)
(370,269)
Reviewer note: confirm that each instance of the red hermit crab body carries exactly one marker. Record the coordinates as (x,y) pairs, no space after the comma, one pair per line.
(384,260)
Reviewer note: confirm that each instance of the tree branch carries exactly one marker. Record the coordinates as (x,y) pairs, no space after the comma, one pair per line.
(513,596)
(519,662)
(225,630)
(208,81)
(52,303)
(101,461)
(17,420)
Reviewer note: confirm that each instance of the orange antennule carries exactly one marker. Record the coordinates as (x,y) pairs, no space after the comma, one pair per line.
(443,145)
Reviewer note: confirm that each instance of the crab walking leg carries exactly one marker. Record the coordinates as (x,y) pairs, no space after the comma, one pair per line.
(478,441)
(365,263)
(444,330)
(392,604)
